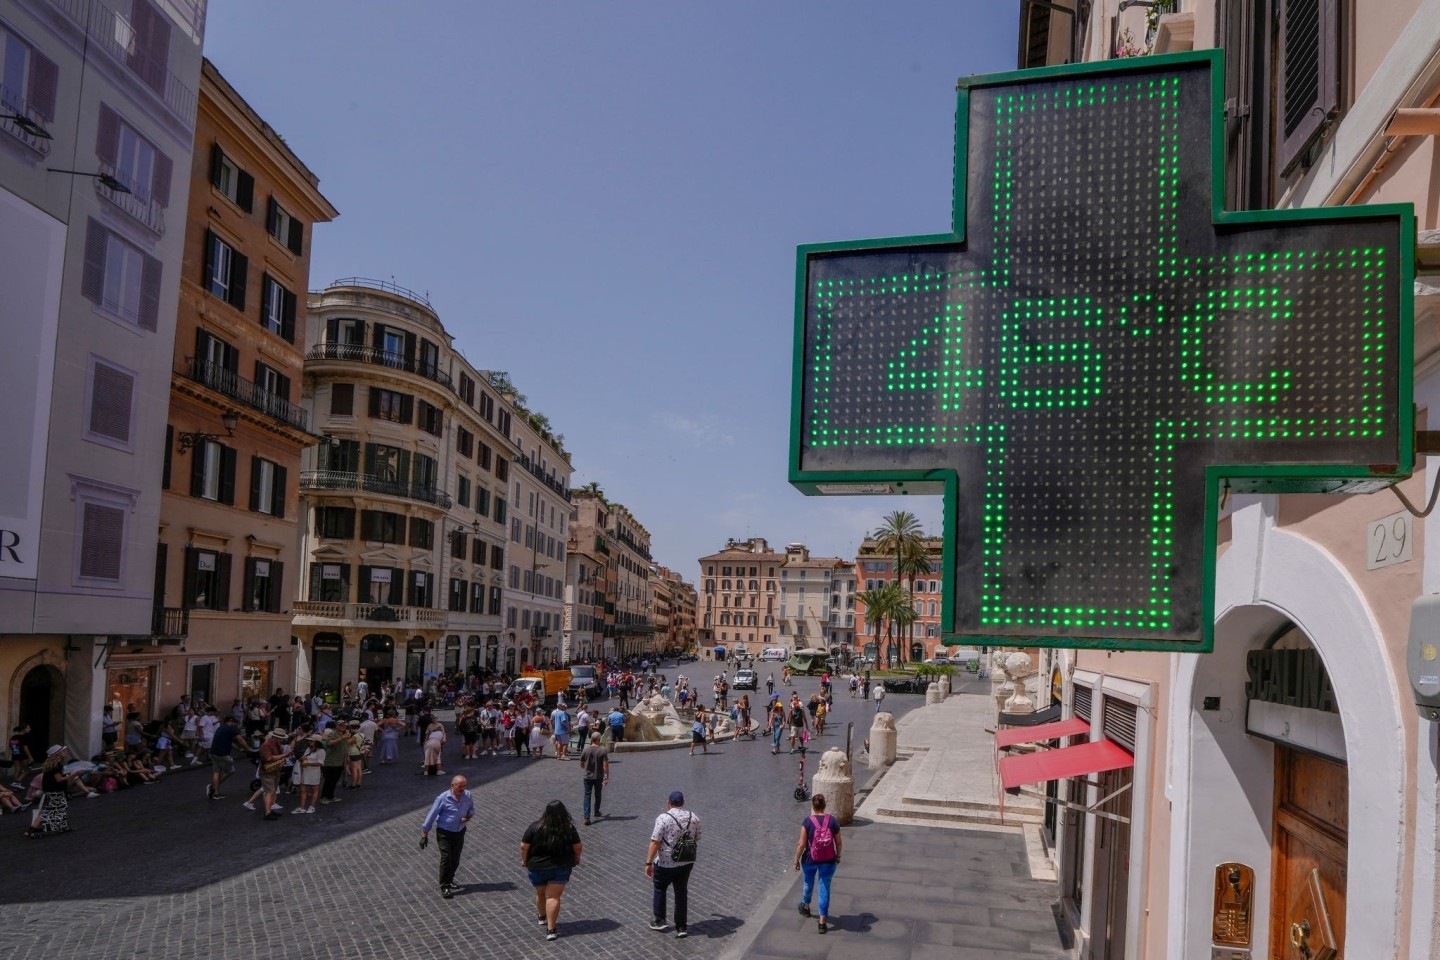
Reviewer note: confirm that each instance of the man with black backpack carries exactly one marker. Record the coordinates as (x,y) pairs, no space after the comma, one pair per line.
(674,843)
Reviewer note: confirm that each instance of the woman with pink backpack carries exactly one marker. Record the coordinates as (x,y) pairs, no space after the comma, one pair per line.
(817,853)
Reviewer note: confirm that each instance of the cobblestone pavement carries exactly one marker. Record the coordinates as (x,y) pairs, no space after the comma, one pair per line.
(166,873)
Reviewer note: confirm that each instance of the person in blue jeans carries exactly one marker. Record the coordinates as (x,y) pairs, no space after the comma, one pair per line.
(817,853)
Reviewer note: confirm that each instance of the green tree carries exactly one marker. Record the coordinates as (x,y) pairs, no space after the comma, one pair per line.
(914,563)
(897,531)
(903,616)
(877,608)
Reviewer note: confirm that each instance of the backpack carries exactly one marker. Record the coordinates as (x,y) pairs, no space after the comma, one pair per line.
(797,717)
(684,848)
(822,841)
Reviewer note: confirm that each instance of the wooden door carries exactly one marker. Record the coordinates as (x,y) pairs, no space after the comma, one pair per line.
(1307,903)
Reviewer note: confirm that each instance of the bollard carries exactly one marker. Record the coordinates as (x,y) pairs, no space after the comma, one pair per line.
(882,740)
(834,780)
(945,688)
(933,694)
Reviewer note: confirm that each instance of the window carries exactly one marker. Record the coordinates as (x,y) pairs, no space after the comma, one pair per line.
(335,522)
(392,406)
(426,472)
(342,456)
(225,271)
(495,602)
(212,472)
(462,490)
(148,46)
(207,580)
(477,597)
(514,577)
(387,463)
(457,595)
(110,404)
(502,423)
(429,359)
(431,419)
(284,227)
(487,406)
(330,582)
(342,399)
(497,557)
(382,585)
(467,390)
(132,159)
(479,550)
(464,442)
(277,309)
(482,456)
(273,386)
(422,533)
(500,508)
(457,544)
(267,487)
(1308,78)
(102,541)
(28,80)
(119,278)
(227,177)
(515,530)
(502,468)
(482,501)
(382,527)
(262,584)
(422,589)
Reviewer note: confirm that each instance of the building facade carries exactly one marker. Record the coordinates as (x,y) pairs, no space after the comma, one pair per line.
(92,258)
(540,491)
(874,569)
(231,467)
(807,598)
(738,603)
(1262,816)
(585,636)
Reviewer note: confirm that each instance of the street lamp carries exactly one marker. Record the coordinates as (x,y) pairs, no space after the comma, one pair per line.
(104,179)
(28,125)
(189,439)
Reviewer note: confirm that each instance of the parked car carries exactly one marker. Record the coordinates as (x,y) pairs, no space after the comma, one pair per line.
(744,680)
(583,677)
(686,658)
(905,684)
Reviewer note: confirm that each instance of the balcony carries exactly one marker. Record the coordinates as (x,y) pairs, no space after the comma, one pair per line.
(170,623)
(134,202)
(237,388)
(112,32)
(364,483)
(524,461)
(12,103)
(359,353)
(371,612)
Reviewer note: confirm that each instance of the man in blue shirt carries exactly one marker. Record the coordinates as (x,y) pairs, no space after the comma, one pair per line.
(449,814)
(616,720)
(222,755)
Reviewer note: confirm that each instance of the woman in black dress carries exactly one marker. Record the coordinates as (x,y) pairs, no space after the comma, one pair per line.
(52,813)
(549,850)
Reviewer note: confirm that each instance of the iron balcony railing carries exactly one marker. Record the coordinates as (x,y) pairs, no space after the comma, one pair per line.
(111,31)
(12,103)
(364,483)
(386,286)
(359,353)
(135,201)
(170,622)
(248,392)
(540,475)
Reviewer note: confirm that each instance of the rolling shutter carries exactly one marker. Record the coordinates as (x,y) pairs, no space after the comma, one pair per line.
(1119,722)
(1082,701)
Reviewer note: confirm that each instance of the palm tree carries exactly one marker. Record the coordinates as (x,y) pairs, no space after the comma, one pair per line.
(914,563)
(897,531)
(903,616)
(877,607)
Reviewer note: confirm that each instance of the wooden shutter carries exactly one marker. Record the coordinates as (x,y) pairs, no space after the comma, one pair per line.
(315,570)
(103,533)
(342,399)
(217,157)
(191,568)
(244,190)
(92,283)
(363,584)
(371,452)
(197,469)
(282,387)
(332,329)
(272,213)
(409,345)
(222,582)
(160,178)
(165,462)
(377,336)
(246,603)
(207,262)
(255,483)
(150,57)
(1119,722)
(1081,701)
(1308,86)
(239,267)
(44,79)
(107,135)
(227,475)
(407,409)
(111,394)
(374,406)
(277,586)
(397,589)
(277,492)
(296,240)
(287,315)
(162,563)
(150,272)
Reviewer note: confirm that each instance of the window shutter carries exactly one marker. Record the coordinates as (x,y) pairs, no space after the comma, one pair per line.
(111,392)
(374,405)
(370,451)
(315,570)
(92,282)
(404,466)
(277,585)
(207,262)
(160,178)
(271,211)
(227,475)
(216,157)
(254,483)
(332,329)
(342,399)
(1308,91)
(249,581)
(151,54)
(107,135)
(407,409)
(44,79)
(239,266)
(245,191)
(296,240)
(222,582)
(187,589)
(165,462)
(283,387)
(377,335)
(149,317)
(103,532)
(364,595)
(277,493)
(397,596)
(197,469)
(287,315)
(409,345)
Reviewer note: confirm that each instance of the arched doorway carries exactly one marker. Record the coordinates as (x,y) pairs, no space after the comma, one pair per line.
(328,651)
(42,705)
(377,660)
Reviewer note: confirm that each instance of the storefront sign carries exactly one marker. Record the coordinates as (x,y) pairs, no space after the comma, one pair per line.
(1296,678)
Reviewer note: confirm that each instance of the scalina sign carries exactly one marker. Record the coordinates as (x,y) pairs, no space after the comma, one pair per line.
(1096,351)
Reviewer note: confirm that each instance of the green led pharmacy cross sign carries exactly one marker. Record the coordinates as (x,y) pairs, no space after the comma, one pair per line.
(1096,351)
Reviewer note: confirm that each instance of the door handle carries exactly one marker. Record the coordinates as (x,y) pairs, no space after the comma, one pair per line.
(1300,938)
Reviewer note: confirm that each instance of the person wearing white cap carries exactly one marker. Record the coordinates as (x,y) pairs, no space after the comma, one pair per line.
(274,754)
(52,813)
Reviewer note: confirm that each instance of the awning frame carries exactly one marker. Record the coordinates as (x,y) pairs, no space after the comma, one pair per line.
(1093,809)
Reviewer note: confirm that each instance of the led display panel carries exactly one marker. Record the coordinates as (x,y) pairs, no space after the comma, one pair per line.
(1096,351)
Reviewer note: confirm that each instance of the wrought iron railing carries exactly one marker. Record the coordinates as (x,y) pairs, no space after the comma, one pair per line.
(170,622)
(112,32)
(11,102)
(364,483)
(359,353)
(236,387)
(387,286)
(542,476)
(135,201)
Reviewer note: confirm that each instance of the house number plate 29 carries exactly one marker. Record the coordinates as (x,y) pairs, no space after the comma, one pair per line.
(1389,540)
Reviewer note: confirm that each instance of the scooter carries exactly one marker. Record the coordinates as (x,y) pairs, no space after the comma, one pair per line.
(802,793)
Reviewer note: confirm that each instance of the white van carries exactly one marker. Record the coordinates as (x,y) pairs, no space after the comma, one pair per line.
(775,653)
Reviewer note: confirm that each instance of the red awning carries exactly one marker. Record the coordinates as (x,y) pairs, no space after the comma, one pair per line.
(1045,731)
(1087,758)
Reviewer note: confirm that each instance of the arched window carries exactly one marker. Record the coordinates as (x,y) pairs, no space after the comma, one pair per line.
(724,619)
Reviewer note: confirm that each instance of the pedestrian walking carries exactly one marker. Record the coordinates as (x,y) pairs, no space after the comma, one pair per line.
(878,694)
(777,724)
(52,811)
(698,731)
(797,717)
(274,755)
(595,766)
(770,684)
(311,758)
(337,753)
(222,755)
(390,729)
(560,732)
(449,814)
(817,854)
(549,850)
(674,844)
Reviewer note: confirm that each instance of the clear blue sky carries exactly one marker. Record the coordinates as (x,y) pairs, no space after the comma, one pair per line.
(604,199)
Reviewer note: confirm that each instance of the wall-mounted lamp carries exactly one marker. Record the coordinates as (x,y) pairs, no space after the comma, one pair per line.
(28,125)
(104,179)
(190,438)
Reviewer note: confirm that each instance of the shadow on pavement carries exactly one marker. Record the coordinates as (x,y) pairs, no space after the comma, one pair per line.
(469,888)
(717,926)
(581,928)
(859,923)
